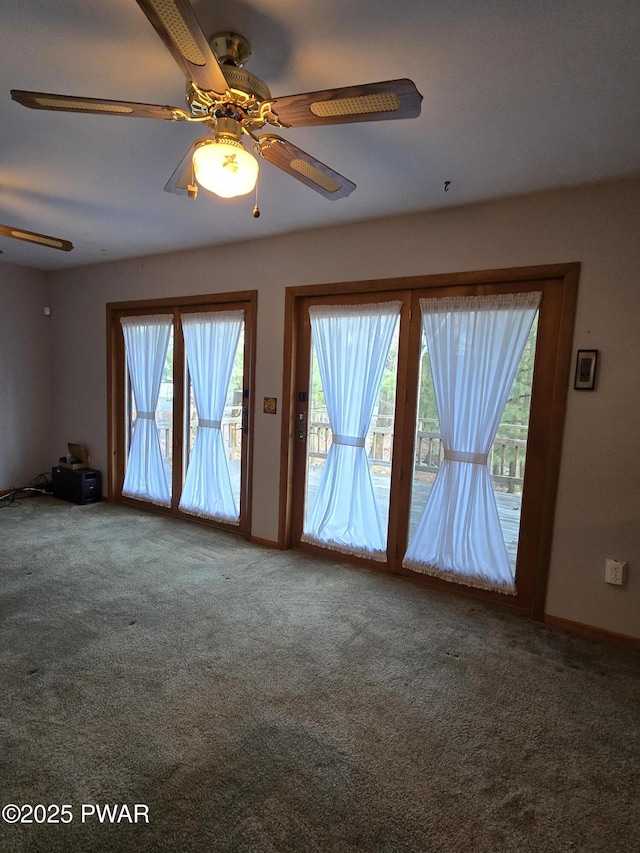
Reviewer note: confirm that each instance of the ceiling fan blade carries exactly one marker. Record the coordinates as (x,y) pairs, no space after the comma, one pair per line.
(34,237)
(177,25)
(390,99)
(99,106)
(304,167)
(183,177)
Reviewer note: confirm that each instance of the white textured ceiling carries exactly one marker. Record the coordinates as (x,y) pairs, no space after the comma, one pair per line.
(518,97)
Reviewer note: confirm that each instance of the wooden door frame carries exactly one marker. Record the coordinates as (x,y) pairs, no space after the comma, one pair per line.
(245,300)
(553,364)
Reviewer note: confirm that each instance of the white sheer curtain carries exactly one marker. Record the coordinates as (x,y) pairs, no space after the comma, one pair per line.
(211,342)
(475,345)
(351,343)
(146,340)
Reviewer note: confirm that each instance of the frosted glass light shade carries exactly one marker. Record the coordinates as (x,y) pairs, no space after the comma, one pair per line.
(225,168)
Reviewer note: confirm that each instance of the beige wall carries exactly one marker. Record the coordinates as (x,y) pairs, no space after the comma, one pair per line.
(25,375)
(598,512)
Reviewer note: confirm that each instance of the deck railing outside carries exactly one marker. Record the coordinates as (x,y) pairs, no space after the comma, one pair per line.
(231,436)
(506,460)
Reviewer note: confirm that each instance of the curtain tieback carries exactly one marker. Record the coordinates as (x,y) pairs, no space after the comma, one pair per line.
(350,440)
(148,416)
(466,456)
(203,422)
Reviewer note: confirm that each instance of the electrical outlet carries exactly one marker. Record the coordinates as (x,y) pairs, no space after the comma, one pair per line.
(614,572)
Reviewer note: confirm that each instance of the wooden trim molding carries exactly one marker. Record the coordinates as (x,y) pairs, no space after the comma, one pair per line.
(507,275)
(287,435)
(592,631)
(171,302)
(265,543)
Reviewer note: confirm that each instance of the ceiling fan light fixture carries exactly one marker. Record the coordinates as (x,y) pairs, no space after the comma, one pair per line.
(224,167)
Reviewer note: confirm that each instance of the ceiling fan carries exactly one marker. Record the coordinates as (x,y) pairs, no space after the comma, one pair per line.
(232,103)
(34,237)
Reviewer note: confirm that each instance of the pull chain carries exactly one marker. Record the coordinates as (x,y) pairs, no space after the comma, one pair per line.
(256,209)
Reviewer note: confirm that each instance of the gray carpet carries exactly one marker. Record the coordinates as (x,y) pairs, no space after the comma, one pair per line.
(256,700)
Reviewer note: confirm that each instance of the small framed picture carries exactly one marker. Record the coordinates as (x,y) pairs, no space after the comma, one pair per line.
(585,379)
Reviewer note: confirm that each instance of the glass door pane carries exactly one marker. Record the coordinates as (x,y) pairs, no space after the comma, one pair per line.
(231,421)
(149,453)
(506,459)
(378,443)
(510,449)
(164,412)
(428,449)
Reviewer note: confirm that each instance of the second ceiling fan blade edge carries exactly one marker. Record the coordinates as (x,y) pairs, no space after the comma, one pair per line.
(35,237)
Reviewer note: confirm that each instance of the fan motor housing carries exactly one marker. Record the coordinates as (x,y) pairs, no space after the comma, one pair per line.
(232,51)
(245,81)
(239,79)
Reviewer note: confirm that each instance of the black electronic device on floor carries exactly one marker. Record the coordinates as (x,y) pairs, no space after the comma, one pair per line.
(80,486)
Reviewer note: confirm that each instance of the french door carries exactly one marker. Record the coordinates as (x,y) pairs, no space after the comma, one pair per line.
(429,448)
(180,382)
(350,358)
